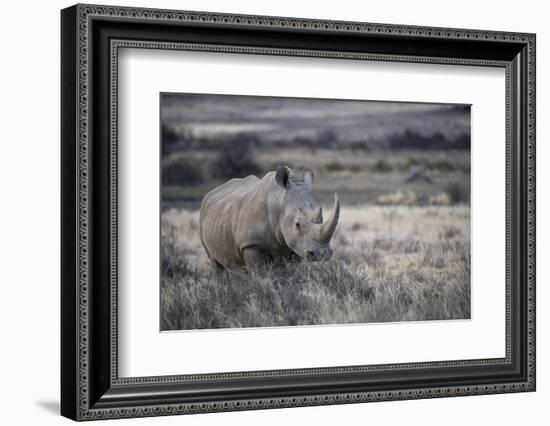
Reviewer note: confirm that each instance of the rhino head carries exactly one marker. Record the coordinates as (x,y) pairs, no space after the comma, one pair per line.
(301,221)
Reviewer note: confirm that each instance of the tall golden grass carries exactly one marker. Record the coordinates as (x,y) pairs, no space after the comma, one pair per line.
(390,263)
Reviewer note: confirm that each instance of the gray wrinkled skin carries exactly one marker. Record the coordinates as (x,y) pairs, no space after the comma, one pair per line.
(248,222)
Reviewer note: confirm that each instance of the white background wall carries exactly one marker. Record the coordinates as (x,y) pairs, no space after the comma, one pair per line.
(29,212)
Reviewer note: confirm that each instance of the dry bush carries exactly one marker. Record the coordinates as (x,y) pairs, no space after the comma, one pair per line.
(459,192)
(406,198)
(236,159)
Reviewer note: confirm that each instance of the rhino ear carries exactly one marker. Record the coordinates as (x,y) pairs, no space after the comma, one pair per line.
(308,178)
(282,176)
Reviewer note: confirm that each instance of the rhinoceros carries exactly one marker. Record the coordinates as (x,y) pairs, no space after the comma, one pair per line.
(248,222)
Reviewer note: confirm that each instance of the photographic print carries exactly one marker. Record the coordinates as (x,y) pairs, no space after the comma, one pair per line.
(279,211)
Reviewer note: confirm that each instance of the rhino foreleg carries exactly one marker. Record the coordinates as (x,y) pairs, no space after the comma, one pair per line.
(216,267)
(254,258)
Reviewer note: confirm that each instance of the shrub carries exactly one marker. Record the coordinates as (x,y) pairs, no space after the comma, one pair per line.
(440,199)
(169,135)
(462,141)
(235,160)
(442,166)
(458,192)
(327,138)
(335,166)
(397,198)
(411,139)
(382,166)
(181,173)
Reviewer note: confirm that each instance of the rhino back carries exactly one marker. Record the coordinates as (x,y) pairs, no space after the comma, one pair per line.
(221,212)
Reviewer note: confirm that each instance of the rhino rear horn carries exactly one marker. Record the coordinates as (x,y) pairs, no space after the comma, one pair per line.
(317,216)
(308,178)
(328,228)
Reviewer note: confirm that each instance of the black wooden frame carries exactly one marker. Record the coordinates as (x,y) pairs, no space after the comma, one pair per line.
(90,386)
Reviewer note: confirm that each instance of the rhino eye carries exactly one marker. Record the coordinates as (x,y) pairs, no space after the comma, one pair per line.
(297,225)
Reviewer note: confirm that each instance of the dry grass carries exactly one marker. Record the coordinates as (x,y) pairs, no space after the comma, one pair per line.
(391,263)
(359,177)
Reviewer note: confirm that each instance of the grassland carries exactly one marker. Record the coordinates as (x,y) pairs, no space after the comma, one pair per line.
(358,176)
(390,263)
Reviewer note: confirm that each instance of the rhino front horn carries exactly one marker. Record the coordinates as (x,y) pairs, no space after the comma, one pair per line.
(328,228)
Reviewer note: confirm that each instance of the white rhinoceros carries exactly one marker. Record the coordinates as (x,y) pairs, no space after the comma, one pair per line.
(248,222)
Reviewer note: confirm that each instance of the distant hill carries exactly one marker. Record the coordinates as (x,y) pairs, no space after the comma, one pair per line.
(195,121)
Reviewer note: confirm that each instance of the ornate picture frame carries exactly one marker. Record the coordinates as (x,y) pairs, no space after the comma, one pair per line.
(91,37)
